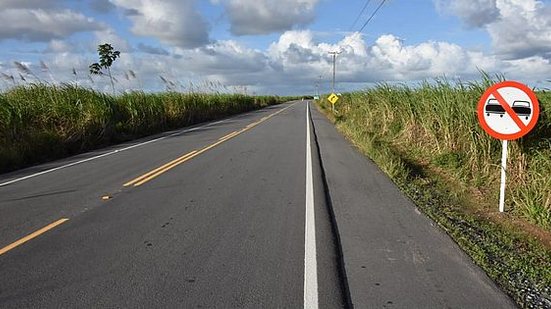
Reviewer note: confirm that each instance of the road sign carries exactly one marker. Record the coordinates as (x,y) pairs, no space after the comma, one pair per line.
(508,110)
(333,98)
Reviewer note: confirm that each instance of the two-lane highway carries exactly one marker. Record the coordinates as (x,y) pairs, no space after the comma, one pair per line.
(215,217)
(269,209)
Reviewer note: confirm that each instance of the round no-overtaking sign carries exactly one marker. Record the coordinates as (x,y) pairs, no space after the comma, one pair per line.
(508,110)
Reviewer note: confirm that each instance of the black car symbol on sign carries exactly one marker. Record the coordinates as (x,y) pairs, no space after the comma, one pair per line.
(521,108)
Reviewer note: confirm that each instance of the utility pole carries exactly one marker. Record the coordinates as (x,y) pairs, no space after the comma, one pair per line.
(334,54)
(318,83)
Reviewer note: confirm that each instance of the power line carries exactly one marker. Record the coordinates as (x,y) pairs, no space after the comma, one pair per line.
(359,15)
(371,17)
(335,53)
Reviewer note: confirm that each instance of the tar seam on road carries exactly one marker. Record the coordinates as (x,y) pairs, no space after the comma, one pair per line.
(140,180)
(310,259)
(335,229)
(32,235)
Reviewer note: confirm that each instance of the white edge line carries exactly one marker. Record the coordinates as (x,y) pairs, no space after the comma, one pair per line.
(88,159)
(118,150)
(310,259)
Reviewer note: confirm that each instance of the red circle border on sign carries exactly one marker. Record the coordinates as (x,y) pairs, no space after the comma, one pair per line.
(488,93)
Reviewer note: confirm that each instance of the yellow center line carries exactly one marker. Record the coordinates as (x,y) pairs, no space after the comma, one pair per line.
(161,170)
(228,136)
(193,155)
(251,125)
(33,235)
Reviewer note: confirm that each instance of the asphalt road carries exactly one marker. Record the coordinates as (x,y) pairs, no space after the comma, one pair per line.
(230,214)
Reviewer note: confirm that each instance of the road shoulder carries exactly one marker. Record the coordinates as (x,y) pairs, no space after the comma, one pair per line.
(393,255)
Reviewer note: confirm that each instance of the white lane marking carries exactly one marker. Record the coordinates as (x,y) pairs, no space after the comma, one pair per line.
(93,158)
(310,258)
(116,151)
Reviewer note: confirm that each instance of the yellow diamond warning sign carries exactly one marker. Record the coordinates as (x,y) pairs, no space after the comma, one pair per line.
(333,98)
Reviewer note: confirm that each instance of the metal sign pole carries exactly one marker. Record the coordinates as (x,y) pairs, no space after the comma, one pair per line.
(503,174)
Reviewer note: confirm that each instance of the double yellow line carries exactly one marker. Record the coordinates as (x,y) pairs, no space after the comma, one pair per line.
(145,178)
(138,181)
(227,137)
(158,171)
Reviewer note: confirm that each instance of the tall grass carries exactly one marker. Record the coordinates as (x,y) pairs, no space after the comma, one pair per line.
(435,125)
(42,122)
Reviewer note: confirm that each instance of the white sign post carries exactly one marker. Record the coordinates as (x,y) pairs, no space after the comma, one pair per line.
(503,176)
(507,111)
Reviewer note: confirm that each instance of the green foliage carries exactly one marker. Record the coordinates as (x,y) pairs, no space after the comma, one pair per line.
(95,68)
(39,123)
(427,139)
(107,55)
(436,124)
(451,160)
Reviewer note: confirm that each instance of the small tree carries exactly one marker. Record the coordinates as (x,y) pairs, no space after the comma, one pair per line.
(107,55)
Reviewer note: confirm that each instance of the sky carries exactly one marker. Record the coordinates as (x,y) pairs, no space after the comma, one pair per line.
(274,47)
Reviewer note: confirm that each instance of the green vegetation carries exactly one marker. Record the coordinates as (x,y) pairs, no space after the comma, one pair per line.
(41,122)
(107,55)
(427,139)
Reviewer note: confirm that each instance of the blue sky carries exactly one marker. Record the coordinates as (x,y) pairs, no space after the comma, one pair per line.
(279,47)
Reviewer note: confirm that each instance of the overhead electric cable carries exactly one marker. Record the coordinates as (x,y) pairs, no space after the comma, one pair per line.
(359,15)
(372,15)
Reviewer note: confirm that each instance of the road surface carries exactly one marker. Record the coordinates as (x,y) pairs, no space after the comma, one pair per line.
(269,209)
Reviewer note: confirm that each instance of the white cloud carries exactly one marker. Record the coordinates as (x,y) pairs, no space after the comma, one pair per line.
(475,13)
(533,68)
(42,25)
(387,59)
(428,59)
(524,29)
(518,28)
(173,22)
(109,35)
(267,16)
(225,58)
(59,46)
(28,4)
(292,64)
